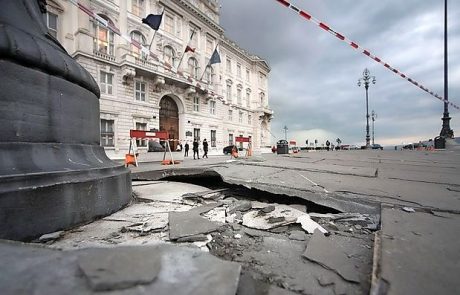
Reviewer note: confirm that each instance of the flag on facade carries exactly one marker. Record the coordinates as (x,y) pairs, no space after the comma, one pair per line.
(153,21)
(215,57)
(188,48)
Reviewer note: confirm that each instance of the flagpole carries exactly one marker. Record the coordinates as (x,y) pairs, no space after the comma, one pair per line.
(183,54)
(153,37)
(209,62)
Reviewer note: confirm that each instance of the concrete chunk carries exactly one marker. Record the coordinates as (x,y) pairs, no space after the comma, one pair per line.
(112,269)
(324,252)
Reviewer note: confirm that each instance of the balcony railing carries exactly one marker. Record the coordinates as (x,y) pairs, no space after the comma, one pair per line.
(104,55)
(146,64)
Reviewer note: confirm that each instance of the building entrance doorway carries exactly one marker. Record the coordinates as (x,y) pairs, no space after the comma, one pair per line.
(169,119)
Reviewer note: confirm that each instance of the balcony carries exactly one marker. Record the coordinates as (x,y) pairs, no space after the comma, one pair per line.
(104,56)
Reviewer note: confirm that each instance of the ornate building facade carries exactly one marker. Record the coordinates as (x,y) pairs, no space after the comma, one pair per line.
(138,93)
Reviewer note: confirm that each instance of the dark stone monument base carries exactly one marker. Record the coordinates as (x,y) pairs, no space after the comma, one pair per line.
(63,195)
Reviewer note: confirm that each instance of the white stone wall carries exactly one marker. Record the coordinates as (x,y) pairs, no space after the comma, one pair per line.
(75,32)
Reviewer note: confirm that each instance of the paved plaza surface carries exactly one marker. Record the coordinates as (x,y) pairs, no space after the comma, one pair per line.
(338,222)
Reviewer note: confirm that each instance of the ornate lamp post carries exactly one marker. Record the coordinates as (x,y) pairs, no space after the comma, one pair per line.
(285,132)
(367,79)
(373,116)
(446,132)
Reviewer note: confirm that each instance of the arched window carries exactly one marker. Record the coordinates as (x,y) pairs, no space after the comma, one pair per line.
(209,74)
(139,38)
(169,55)
(193,67)
(103,38)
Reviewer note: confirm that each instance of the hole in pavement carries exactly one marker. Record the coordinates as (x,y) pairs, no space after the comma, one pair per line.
(241,192)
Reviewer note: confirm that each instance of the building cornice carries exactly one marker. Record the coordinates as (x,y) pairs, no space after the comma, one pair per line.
(200,15)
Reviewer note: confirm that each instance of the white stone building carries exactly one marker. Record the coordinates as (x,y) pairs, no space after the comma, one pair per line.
(138,93)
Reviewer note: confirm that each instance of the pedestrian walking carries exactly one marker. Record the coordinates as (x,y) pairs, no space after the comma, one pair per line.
(195,149)
(186,146)
(327,145)
(205,149)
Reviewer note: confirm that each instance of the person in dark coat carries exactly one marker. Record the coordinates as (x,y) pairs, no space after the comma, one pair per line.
(195,149)
(205,148)
(186,149)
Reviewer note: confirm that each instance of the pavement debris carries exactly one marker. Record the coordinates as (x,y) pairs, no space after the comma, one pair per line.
(239,205)
(282,215)
(297,235)
(309,225)
(190,223)
(118,268)
(323,251)
(408,209)
(51,236)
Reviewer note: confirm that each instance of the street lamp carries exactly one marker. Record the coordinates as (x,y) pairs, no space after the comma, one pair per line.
(446,132)
(373,116)
(285,132)
(367,79)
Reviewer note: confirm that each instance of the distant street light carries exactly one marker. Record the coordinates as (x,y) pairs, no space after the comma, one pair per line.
(285,132)
(373,116)
(367,79)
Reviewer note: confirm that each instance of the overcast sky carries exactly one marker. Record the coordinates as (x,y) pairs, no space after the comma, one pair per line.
(313,80)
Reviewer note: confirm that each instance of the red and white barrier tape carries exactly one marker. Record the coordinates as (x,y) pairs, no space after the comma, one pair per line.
(190,80)
(322,25)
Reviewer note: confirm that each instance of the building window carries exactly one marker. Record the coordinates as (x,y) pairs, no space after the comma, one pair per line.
(230,139)
(249,119)
(229,65)
(106,83)
(169,55)
(238,96)
(229,92)
(262,79)
(193,67)
(230,115)
(51,23)
(212,107)
(136,7)
(248,75)
(194,41)
(172,23)
(196,134)
(107,133)
(238,70)
(209,74)
(213,138)
(103,40)
(248,98)
(196,104)
(139,38)
(141,142)
(140,90)
(240,118)
(209,45)
(262,99)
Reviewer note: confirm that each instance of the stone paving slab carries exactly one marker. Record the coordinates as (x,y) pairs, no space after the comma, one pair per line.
(420,252)
(36,270)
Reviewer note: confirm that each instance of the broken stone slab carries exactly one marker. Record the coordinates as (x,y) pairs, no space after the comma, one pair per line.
(309,225)
(326,253)
(216,214)
(282,215)
(241,206)
(203,244)
(297,235)
(190,223)
(408,209)
(120,268)
(317,216)
(299,207)
(51,236)
(195,238)
(268,209)
(29,269)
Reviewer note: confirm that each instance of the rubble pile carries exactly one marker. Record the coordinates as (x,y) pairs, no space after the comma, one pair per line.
(276,244)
